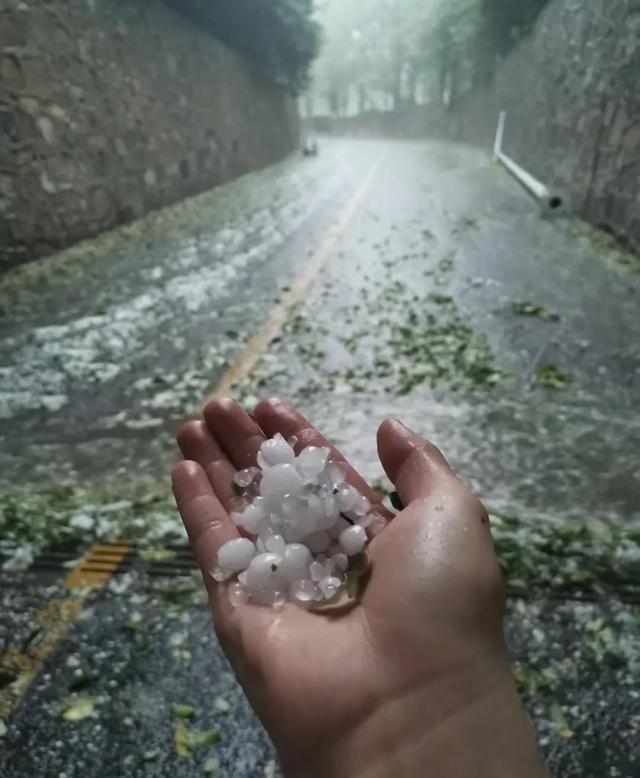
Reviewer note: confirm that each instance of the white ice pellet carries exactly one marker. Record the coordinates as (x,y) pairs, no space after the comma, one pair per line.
(317,571)
(352,540)
(262,572)
(244,478)
(251,518)
(318,541)
(236,554)
(336,473)
(280,480)
(312,460)
(329,586)
(340,562)
(220,575)
(330,510)
(366,520)
(314,511)
(339,526)
(304,591)
(362,506)
(275,544)
(325,491)
(237,594)
(295,562)
(346,498)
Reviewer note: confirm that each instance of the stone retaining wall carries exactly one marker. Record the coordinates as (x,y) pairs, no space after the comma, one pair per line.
(112,108)
(572,96)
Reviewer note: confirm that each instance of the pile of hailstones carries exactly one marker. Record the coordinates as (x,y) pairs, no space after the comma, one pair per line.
(302,524)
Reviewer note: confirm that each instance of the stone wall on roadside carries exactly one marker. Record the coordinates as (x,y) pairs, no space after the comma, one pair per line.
(112,108)
(572,95)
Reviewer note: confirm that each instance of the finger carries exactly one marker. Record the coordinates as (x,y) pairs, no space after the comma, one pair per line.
(412,463)
(273,415)
(234,431)
(205,519)
(197,444)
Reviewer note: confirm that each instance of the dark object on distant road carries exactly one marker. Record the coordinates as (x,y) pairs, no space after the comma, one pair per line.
(310,148)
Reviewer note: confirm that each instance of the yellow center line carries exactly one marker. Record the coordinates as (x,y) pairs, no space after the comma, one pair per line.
(272,325)
(51,624)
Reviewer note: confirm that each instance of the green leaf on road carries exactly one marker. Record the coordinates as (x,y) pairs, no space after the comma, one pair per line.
(552,377)
(202,738)
(180,739)
(531,309)
(76,707)
(182,711)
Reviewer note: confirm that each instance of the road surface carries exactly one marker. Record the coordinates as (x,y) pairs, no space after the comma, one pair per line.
(412,279)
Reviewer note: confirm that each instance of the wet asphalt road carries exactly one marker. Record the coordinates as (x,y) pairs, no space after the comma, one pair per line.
(104,353)
(108,347)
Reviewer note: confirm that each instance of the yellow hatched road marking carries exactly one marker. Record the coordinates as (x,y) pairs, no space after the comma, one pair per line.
(53,622)
(97,565)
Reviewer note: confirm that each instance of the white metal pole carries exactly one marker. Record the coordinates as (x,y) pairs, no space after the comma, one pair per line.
(548,200)
(497,146)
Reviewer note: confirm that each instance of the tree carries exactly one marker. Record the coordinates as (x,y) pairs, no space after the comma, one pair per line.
(382,53)
(506,22)
(279,38)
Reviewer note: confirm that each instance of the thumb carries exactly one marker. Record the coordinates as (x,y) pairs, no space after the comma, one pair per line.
(413,464)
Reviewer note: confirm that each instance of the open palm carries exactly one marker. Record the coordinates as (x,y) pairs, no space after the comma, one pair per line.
(427,631)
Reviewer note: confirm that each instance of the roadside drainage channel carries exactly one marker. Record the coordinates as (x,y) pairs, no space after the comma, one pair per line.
(94,566)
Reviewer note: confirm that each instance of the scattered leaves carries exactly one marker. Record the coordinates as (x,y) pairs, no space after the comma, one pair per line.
(189,740)
(585,560)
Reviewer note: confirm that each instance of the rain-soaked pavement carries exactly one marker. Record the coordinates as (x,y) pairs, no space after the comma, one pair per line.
(511,340)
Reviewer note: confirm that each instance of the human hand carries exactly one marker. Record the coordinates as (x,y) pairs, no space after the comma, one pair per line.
(414,678)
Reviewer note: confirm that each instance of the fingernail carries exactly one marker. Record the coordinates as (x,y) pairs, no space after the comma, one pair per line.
(401,426)
(226,402)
